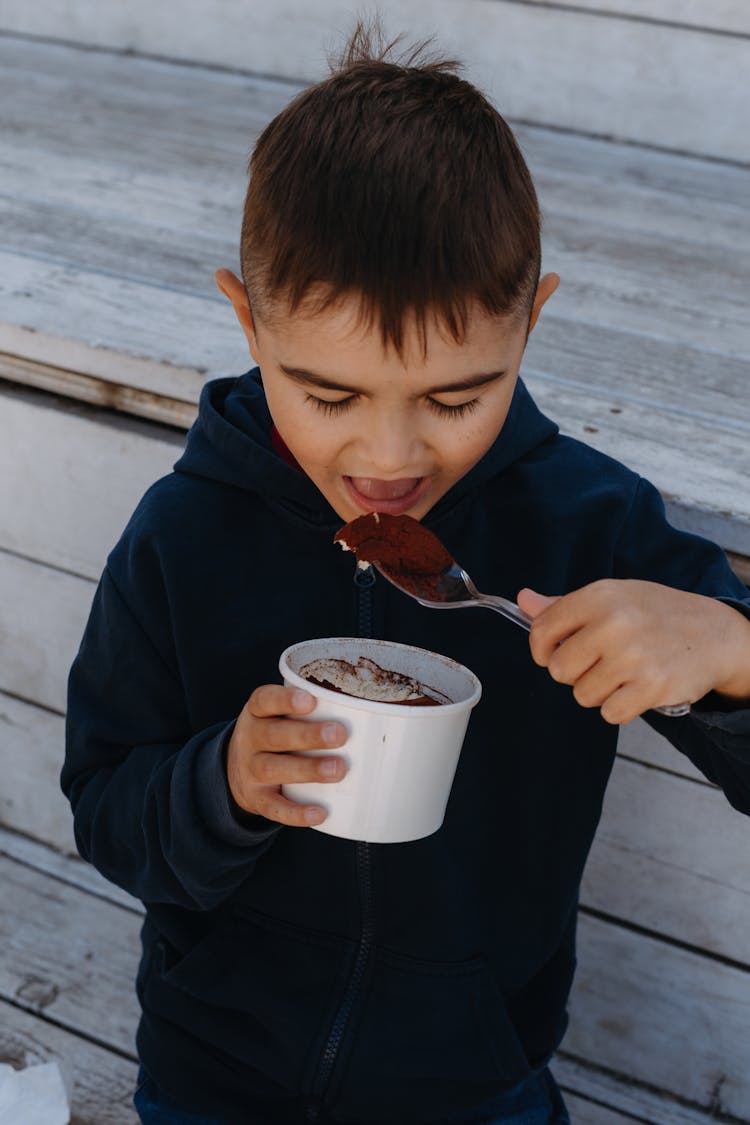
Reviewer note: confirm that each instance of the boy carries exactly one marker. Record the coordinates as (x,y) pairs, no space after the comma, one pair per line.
(390,254)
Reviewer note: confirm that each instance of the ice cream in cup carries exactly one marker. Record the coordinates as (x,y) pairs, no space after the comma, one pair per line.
(406,711)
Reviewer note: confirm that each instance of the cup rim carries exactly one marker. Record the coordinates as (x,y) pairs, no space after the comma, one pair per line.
(358,704)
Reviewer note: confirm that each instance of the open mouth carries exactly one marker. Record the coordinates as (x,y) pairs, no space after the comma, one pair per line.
(392,496)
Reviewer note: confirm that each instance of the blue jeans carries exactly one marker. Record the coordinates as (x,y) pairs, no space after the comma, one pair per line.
(536,1102)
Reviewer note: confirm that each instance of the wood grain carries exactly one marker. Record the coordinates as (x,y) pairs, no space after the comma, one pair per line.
(673,857)
(43,612)
(668,1018)
(102,1082)
(70,505)
(32,746)
(69,956)
(627,78)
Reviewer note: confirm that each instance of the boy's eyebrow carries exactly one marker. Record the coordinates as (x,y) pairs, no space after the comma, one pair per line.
(310,377)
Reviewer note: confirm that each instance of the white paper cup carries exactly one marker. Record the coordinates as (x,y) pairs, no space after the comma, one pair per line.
(400,759)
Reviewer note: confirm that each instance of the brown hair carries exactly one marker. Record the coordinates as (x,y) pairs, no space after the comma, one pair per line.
(397,182)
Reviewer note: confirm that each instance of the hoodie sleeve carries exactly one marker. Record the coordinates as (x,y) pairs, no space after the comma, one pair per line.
(716,734)
(151,803)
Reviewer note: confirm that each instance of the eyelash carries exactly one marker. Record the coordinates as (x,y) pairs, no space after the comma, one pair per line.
(344,404)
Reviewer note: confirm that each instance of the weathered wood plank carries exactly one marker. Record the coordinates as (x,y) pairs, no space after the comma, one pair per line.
(721,15)
(71,385)
(32,743)
(670,1019)
(68,507)
(143,335)
(614,77)
(639,742)
(65,868)
(69,956)
(673,857)
(102,1082)
(606,1092)
(42,616)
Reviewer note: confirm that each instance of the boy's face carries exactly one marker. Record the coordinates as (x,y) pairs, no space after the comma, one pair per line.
(372,431)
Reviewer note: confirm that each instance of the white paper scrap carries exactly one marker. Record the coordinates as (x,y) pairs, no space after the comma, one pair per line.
(34,1096)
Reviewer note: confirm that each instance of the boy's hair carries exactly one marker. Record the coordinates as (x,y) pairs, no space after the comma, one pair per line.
(396,182)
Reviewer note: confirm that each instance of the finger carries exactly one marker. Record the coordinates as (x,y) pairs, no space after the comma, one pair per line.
(572,659)
(275,806)
(595,686)
(533,603)
(280,735)
(625,704)
(565,617)
(286,769)
(275,699)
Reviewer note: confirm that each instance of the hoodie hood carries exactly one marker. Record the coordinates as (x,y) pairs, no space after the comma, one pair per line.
(230,442)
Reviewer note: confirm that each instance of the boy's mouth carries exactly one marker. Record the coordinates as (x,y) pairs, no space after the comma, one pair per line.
(392,496)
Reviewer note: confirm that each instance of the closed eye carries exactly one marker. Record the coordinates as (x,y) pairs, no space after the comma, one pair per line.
(458,411)
(332,406)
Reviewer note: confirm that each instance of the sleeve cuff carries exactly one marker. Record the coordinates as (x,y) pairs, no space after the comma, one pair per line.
(217,807)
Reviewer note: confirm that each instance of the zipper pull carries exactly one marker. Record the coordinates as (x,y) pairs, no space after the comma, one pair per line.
(364,578)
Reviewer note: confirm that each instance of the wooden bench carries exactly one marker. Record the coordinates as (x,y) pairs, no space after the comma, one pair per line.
(122,181)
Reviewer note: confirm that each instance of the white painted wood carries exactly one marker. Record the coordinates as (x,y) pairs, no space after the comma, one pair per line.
(720,15)
(127,331)
(42,617)
(97,392)
(65,868)
(68,507)
(32,745)
(674,857)
(666,1017)
(616,77)
(638,742)
(604,1090)
(69,955)
(102,1082)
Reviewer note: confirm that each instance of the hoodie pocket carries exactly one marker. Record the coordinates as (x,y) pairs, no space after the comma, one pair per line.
(258,990)
(434,1038)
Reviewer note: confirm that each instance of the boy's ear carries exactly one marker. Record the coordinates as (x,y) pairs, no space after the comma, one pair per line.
(547,286)
(233,289)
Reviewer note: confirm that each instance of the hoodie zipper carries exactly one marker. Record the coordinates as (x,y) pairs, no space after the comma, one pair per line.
(364,581)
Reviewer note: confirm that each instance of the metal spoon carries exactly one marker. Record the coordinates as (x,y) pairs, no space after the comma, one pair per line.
(454,589)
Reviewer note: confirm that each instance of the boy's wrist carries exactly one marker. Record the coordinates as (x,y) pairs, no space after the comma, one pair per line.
(735,686)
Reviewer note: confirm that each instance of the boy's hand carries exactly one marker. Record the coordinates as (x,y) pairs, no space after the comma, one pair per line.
(626,645)
(261,755)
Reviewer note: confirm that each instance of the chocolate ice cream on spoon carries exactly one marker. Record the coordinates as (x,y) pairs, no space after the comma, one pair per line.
(416,562)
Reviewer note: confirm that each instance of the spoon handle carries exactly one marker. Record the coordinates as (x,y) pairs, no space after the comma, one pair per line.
(507,608)
(510,609)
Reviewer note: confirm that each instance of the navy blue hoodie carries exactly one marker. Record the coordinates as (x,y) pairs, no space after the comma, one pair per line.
(291,976)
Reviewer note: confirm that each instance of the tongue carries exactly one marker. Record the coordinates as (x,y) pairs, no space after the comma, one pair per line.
(375,489)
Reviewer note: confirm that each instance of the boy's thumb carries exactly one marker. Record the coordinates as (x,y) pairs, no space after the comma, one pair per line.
(533,603)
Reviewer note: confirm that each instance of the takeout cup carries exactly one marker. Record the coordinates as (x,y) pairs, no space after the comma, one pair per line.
(400,759)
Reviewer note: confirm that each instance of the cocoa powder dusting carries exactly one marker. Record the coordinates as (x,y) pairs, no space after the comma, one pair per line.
(401,547)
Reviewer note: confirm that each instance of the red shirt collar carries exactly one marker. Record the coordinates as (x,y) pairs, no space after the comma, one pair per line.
(283,450)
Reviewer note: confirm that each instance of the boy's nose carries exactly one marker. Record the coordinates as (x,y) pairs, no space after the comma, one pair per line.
(391,447)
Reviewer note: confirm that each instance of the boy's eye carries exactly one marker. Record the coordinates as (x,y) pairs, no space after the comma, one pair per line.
(331,406)
(457,411)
